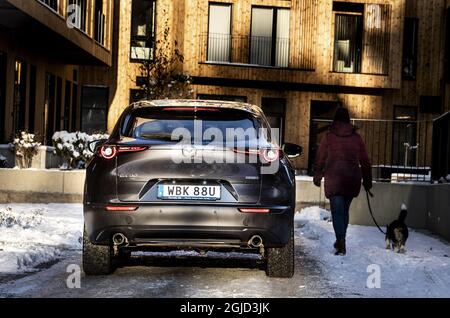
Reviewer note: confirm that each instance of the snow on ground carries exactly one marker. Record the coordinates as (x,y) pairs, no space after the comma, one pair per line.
(423,271)
(32,235)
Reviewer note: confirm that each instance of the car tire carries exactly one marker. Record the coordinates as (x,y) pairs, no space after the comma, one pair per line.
(97,259)
(280,260)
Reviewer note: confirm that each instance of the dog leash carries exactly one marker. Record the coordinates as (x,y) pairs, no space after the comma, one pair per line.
(371,212)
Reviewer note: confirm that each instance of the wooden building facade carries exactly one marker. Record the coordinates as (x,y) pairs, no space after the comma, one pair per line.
(40,58)
(386,60)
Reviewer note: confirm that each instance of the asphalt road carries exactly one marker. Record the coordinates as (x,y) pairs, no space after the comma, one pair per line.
(174,276)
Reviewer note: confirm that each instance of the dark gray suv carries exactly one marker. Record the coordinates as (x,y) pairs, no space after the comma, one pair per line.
(190,174)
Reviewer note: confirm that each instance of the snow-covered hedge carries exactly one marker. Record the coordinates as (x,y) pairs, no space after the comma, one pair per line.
(74,147)
(25,146)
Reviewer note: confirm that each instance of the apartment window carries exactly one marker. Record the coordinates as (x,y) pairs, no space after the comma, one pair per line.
(447,46)
(3,64)
(19,98)
(410,48)
(230,98)
(53,4)
(143,29)
(137,95)
(77,12)
(94,108)
(32,99)
(275,110)
(67,105)
(348,19)
(219,33)
(58,115)
(74,115)
(270,37)
(49,107)
(99,27)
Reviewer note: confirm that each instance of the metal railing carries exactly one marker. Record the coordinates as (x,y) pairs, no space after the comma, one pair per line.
(400,151)
(245,50)
(441,147)
(99,35)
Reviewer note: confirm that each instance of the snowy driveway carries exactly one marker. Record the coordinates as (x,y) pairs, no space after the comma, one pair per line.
(39,242)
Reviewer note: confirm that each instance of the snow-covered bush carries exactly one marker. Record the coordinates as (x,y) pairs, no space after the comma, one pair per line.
(25,146)
(74,147)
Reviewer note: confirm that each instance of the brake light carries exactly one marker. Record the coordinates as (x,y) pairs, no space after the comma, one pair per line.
(110,152)
(192,109)
(254,210)
(267,155)
(270,154)
(132,149)
(121,208)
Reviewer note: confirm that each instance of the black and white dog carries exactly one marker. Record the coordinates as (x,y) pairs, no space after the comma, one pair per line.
(397,232)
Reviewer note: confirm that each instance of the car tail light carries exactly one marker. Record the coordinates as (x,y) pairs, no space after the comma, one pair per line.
(267,155)
(270,154)
(110,152)
(254,210)
(121,208)
(132,149)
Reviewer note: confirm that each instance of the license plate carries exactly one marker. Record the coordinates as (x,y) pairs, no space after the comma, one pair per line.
(188,192)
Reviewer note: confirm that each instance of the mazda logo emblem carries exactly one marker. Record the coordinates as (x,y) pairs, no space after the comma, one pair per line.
(189,152)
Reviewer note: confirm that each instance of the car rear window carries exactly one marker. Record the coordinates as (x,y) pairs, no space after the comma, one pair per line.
(203,126)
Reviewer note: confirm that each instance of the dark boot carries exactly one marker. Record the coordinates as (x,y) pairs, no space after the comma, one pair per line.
(340,247)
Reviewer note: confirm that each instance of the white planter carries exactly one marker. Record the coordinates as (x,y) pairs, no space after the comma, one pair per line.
(44,159)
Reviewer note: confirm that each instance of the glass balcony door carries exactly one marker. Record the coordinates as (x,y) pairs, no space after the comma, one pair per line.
(270,37)
(219,33)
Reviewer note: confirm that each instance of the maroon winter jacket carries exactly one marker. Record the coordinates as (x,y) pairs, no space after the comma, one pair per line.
(343,159)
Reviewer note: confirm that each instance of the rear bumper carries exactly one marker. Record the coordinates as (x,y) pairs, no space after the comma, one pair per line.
(189,225)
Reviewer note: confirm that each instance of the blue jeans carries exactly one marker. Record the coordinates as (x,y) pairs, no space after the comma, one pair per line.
(339,211)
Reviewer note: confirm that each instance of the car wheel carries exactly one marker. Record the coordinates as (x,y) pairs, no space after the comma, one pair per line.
(280,261)
(97,259)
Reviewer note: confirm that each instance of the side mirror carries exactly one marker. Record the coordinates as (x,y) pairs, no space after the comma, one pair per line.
(292,150)
(94,144)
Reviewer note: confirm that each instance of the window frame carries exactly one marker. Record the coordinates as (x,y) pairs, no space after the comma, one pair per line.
(150,40)
(106,91)
(47,4)
(359,35)
(83,23)
(223,4)
(274,35)
(414,56)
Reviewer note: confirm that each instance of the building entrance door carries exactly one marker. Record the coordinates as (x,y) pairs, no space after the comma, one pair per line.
(322,113)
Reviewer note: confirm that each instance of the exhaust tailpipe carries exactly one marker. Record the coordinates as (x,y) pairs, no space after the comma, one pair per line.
(255,241)
(119,239)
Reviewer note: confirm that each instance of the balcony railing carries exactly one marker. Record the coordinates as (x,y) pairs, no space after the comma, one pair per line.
(100,21)
(245,50)
(399,150)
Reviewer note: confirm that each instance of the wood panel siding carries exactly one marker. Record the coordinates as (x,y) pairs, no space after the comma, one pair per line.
(304,33)
(377,26)
(311,44)
(309,76)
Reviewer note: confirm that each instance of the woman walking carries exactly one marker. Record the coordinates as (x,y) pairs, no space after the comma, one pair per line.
(342,159)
